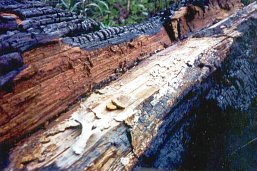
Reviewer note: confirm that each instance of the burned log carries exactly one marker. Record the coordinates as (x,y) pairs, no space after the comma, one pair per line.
(157,95)
(64,57)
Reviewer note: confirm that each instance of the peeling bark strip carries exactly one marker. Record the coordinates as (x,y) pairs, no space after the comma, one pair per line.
(50,57)
(159,93)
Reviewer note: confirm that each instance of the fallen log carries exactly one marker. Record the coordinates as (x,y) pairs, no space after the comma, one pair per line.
(65,57)
(153,98)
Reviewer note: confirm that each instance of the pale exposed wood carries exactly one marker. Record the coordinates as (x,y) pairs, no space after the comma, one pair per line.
(93,138)
(66,59)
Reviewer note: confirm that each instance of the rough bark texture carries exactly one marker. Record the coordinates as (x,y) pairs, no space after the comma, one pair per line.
(157,95)
(230,90)
(50,57)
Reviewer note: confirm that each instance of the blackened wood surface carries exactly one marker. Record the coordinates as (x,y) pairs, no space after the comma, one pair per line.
(50,57)
(159,94)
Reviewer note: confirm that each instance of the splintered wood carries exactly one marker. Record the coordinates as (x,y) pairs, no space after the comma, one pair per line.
(95,138)
(49,58)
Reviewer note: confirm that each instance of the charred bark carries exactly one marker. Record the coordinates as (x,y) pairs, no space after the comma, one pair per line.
(157,96)
(50,57)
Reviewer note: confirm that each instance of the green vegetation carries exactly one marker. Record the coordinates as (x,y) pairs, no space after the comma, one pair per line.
(246,2)
(116,12)
(113,12)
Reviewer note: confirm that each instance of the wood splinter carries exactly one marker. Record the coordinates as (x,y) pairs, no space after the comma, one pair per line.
(117,103)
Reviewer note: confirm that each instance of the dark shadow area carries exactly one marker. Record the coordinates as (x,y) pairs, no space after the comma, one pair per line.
(4,156)
(220,131)
(217,138)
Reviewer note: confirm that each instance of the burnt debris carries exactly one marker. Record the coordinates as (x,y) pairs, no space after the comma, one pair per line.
(25,24)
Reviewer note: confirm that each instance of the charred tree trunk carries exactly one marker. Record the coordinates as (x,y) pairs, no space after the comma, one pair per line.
(133,116)
(50,57)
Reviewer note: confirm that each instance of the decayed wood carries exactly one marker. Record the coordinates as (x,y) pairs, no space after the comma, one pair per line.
(52,57)
(94,138)
(47,87)
(190,19)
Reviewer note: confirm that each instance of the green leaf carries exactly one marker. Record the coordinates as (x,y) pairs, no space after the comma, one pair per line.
(75,6)
(107,11)
(104,4)
(145,13)
(141,6)
(95,5)
(65,4)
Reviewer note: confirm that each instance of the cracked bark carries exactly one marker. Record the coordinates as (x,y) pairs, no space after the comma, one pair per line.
(161,92)
(50,58)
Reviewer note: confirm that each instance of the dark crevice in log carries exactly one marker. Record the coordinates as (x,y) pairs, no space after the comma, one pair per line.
(170,30)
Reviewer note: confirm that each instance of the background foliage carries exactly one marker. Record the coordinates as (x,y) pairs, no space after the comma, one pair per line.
(246,2)
(113,12)
(116,12)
